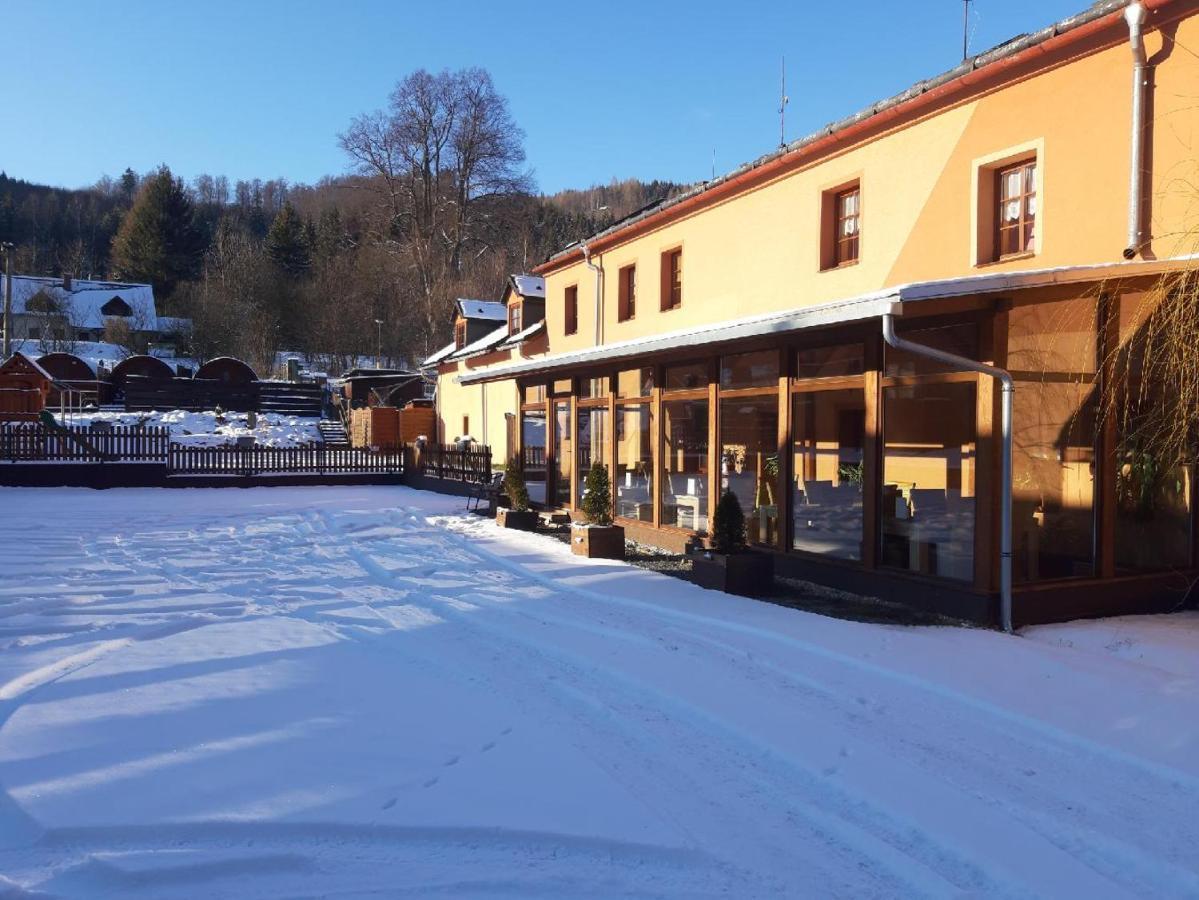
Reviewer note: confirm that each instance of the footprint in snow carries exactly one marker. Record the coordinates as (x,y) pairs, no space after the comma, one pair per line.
(432,781)
(490,745)
(453,760)
(390,803)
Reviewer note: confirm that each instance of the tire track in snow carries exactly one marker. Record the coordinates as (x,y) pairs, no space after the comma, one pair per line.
(1179,878)
(1043,730)
(913,861)
(1120,858)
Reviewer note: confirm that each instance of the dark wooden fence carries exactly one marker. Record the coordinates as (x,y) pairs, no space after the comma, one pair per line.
(315,460)
(290,398)
(449,463)
(194,394)
(34,442)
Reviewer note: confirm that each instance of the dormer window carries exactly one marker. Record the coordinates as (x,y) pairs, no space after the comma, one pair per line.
(515,315)
(460,334)
(116,307)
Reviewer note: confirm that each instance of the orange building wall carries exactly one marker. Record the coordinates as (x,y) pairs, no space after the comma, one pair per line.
(759,251)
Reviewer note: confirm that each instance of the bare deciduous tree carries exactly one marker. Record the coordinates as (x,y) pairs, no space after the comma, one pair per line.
(436,159)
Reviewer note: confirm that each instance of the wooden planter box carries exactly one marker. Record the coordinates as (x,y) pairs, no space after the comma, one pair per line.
(597,542)
(521,521)
(747,574)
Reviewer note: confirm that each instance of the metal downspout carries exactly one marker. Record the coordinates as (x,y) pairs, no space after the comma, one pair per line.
(1134,15)
(599,293)
(1007,388)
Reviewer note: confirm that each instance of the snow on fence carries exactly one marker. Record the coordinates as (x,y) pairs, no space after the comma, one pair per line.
(448,462)
(34,442)
(316,459)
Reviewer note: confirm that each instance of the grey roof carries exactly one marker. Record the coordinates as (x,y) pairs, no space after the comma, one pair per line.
(483,344)
(439,355)
(174,324)
(488,310)
(524,334)
(979,61)
(528,285)
(82,305)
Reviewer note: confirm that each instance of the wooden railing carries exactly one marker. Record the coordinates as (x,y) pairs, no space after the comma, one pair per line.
(452,464)
(316,459)
(35,442)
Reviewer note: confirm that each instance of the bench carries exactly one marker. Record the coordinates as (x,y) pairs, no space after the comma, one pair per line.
(486,490)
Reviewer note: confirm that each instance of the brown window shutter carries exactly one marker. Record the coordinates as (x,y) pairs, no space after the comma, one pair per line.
(664,287)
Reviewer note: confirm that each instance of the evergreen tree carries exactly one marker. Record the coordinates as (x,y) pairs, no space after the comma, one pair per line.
(728,528)
(128,184)
(597,496)
(514,486)
(158,241)
(331,237)
(286,243)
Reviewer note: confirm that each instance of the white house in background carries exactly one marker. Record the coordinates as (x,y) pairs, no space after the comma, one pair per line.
(77,309)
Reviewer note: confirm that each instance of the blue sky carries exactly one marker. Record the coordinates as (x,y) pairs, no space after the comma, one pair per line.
(261,88)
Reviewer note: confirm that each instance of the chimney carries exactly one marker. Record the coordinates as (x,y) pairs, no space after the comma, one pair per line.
(66,281)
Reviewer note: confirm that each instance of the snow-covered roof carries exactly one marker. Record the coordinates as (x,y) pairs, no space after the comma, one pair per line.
(524,334)
(487,342)
(33,364)
(84,303)
(174,324)
(854,309)
(482,309)
(529,285)
(439,355)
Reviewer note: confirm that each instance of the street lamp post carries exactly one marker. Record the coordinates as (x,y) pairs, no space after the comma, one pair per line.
(379,345)
(6,247)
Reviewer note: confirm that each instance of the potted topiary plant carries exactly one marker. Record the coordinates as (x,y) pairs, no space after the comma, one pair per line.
(517,514)
(597,538)
(730,566)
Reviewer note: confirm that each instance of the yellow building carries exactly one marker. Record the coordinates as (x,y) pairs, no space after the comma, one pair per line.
(769,332)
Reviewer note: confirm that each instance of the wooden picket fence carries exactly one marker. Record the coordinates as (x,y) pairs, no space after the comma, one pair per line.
(35,442)
(448,462)
(315,459)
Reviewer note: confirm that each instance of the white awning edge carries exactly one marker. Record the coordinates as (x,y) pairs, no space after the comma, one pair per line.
(865,306)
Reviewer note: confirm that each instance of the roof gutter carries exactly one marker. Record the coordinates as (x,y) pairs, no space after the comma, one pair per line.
(1134,15)
(1008,389)
(599,293)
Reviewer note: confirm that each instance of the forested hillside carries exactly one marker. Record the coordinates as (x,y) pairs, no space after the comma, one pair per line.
(437,202)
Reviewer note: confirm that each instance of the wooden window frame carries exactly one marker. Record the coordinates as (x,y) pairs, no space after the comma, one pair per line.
(1022,166)
(847,249)
(833,252)
(671,288)
(515,317)
(459,334)
(571,310)
(626,307)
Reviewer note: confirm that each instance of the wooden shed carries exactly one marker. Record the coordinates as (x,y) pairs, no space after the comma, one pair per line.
(228,370)
(141,366)
(388,428)
(69,370)
(24,389)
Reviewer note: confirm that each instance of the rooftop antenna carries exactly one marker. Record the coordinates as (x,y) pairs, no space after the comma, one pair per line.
(713,163)
(965,30)
(783,101)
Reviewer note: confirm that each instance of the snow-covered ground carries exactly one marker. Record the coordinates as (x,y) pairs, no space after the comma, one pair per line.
(201,429)
(359,692)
